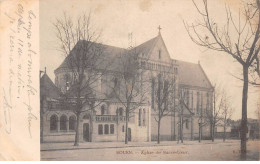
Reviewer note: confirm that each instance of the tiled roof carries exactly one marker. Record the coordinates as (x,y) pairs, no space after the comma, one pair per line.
(193,75)
(48,88)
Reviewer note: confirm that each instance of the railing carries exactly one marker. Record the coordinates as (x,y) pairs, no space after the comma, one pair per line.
(109,118)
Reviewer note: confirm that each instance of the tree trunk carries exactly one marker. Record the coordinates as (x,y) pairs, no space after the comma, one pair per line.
(224,136)
(158,132)
(243,128)
(76,143)
(126,125)
(213,132)
(181,127)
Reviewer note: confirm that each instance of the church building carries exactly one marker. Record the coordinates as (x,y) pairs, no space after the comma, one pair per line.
(189,103)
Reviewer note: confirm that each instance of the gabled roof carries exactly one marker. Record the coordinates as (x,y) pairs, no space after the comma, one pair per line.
(108,53)
(193,75)
(111,53)
(48,88)
(147,46)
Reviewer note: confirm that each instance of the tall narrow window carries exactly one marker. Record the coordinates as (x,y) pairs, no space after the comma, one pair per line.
(192,101)
(187,124)
(103,109)
(160,55)
(106,129)
(123,128)
(100,129)
(198,102)
(111,128)
(144,117)
(120,112)
(53,123)
(72,123)
(153,85)
(139,117)
(207,101)
(188,98)
(63,122)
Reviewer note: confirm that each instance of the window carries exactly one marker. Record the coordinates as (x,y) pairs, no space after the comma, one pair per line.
(123,128)
(106,129)
(72,123)
(100,129)
(120,113)
(207,101)
(192,100)
(103,109)
(187,124)
(53,123)
(188,98)
(198,101)
(111,128)
(160,54)
(63,122)
(143,117)
(153,85)
(139,117)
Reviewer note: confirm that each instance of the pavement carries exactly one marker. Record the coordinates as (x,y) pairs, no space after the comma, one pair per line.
(102,145)
(150,151)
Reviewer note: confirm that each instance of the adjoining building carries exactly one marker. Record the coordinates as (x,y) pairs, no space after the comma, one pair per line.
(107,121)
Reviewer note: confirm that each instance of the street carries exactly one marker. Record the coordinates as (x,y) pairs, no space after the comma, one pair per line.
(190,150)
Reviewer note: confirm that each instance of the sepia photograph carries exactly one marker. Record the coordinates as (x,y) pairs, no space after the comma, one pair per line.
(149,80)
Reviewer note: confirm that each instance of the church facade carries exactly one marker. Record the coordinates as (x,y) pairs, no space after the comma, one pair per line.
(191,102)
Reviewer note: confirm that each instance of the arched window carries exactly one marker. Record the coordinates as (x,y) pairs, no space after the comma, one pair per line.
(53,123)
(100,129)
(143,117)
(153,92)
(106,129)
(120,112)
(139,117)
(103,109)
(72,123)
(63,122)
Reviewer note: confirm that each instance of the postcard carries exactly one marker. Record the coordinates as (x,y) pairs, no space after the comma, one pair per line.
(136,80)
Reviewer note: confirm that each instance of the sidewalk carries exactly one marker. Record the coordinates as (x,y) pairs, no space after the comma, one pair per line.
(103,145)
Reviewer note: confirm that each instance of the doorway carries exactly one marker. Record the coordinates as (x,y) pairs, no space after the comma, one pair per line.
(86,132)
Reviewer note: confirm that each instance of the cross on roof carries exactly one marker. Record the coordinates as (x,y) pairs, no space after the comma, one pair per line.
(159,28)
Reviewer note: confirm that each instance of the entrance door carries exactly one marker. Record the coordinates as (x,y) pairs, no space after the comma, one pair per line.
(129,134)
(86,132)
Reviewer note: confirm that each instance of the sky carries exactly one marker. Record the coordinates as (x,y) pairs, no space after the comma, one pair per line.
(117,18)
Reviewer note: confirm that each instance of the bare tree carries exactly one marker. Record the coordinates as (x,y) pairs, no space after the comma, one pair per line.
(183,100)
(163,89)
(78,42)
(213,117)
(131,83)
(238,39)
(226,112)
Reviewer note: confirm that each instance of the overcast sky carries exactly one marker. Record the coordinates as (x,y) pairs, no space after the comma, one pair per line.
(118,18)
